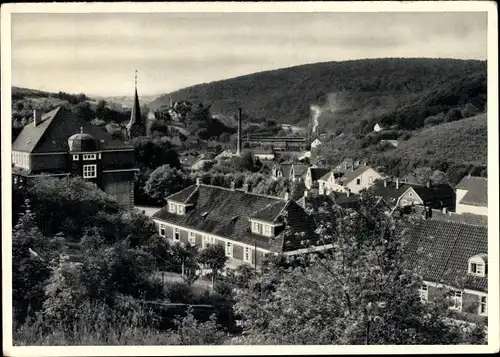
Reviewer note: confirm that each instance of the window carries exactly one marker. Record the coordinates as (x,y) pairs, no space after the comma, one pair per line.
(424,293)
(177,234)
(256,228)
(75,157)
(410,194)
(483,305)
(192,238)
(229,249)
(208,240)
(162,230)
(180,209)
(172,208)
(267,229)
(476,268)
(370,179)
(89,156)
(456,298)
(89,171)
(358,181)
(248,255)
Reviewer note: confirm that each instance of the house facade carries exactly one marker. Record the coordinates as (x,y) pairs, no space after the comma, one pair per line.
(316,142)
(59,144)
(353,181)
(313,174)
(452,256)
(472,195)
(247,225)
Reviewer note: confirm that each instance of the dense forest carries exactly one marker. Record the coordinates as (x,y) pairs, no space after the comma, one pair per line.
(394,91)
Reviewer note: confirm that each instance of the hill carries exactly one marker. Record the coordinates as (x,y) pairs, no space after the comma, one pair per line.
(464,141)
(352,95)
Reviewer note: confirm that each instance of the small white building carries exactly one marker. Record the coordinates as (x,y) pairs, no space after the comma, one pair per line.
(315,143)
(377,128)
(353,181)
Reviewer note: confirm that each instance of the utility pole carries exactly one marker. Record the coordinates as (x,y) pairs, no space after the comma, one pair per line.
(255,256)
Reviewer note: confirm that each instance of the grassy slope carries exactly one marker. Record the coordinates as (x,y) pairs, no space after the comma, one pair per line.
(463,141)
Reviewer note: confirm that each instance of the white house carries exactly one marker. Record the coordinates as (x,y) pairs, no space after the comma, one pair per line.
(353,181)
(377,128)
(472,195)
(315,143)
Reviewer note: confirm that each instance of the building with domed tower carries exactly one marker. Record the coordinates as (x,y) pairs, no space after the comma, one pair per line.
(61,144)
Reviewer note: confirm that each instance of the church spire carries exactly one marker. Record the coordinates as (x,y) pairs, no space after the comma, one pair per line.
(135,115)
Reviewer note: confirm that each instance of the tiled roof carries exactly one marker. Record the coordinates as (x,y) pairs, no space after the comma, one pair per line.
(318,172)
(441,249)
(388,193)
(477,190)
(52,133)
(326,176)
(469,218)
(183,195)
(224,212)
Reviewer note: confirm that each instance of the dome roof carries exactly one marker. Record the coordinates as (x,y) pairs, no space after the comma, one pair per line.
(82,142)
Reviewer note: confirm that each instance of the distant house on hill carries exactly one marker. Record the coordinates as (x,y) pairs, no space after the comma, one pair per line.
(472,195)
(377,127)
(290,170)
(393,143)
(353,181)
(248,226)
(60,144)
(316,143)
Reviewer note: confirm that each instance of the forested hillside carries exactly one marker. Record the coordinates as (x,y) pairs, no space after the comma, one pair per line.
(352,94)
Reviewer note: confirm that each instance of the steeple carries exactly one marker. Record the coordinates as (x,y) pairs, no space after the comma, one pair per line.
(135,127)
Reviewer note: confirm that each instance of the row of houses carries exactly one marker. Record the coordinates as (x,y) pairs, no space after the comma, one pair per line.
(250,226)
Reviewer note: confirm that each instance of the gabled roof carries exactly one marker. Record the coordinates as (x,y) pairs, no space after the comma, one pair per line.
(351,175)
(318,172)
(436,196)
(326,176)
(285,168)
(52,133)
(477,190)
(215,208)
(388,193)
(442,250)
(299,169)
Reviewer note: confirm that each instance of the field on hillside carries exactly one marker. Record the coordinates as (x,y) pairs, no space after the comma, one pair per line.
(464,141)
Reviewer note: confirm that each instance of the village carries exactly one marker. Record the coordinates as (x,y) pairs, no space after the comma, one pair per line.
(203,179)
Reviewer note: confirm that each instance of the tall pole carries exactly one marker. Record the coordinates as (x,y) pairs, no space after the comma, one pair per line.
(255,256)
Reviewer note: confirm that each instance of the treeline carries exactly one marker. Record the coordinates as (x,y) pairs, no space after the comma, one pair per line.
(286,94)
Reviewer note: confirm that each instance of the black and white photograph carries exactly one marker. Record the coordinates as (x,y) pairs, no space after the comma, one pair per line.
(235,175)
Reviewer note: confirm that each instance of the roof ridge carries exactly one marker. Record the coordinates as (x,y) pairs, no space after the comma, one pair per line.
(247,193)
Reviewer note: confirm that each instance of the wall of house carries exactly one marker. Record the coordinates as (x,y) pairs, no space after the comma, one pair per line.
(238,247)
(364,181)
(113,160)
(49,162)
(410,198)
(480,210)
(459,194)
(120,185)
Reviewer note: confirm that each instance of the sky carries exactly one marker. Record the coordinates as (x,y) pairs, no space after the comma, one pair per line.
(98,53)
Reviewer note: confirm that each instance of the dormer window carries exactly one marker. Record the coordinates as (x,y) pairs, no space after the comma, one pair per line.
(262,228)
(176,208)
(478,265)
(89,157)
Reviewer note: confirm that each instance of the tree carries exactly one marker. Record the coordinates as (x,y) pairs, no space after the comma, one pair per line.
(422,174)
(164,181)
(213,257)
(452,115)
(439,177)
(186,257)
(362,291)
(469,110)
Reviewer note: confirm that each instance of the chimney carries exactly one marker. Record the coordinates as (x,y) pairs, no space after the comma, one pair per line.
(239,143)
(428,184)
(232,185)
(445,210)
(246,187)
(198,181)
(397,183)
(345,165)
(306,192)
(37,117)
(352,167)
(385,182)
(287,195)
(348,192)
